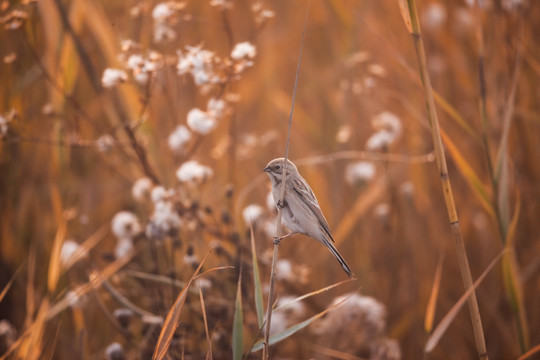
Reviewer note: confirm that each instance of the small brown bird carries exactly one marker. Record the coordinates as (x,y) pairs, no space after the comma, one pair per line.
(301,212)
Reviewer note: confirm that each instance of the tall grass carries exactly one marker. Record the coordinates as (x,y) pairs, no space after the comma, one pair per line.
(104,219)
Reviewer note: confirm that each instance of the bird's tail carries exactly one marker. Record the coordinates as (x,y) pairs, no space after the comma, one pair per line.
(339,258)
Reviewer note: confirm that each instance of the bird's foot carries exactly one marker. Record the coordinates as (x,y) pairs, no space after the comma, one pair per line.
(281,204)
(277,240)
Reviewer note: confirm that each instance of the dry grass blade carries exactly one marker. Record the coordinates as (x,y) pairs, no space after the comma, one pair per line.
(211,270)
(513,282)
(8,285)
(32,346)
(55,266)
(173,317)
(209,355)
(530,353)
(258,294)
(161,279)
(274,339)
(405,15)
(313,293)
(432,303)
(439,331)
(332,353)
(238,323)
(507,119)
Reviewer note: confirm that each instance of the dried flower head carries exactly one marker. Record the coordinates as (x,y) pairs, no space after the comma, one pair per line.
(159,193)
(252,213)
(141,189)
(290,314)
(105,143)
(179,138)
(163,221)
(243,50)
(164,15)
(216,108)
(124,246)
(3,127)
(71,251)
(14,19)
(112,77)
(434,16)
(125,225)
(114,351)
(200,121)
(388,129)
(262,15)
(221,4)
(192,171)
(199,63)
(361,318)
(359,173)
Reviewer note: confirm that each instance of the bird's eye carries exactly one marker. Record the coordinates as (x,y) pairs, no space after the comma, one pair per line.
(278,167)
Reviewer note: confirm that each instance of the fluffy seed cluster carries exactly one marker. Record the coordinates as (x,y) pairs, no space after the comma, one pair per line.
(71,251)
(141,189)
(125,225)
(112,77)
(192,171)
(388,129)
(164,220)
(361,320)
(199,63)
(291,313)
(359,173)
(179,138)
(165,16)
(252,213)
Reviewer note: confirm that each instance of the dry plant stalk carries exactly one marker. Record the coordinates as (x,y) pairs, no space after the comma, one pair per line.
(277,238)
(413,25)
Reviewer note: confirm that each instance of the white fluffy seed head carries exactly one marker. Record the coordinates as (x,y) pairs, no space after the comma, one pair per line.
(200,122)
(123,247)
(192,171)
(68,251)
(359,172)
(243,50)
(112,77)
(125,225)
(252,213)
(141,189)
(179,138)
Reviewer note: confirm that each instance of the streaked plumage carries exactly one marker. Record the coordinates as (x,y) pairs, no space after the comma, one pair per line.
(301,211)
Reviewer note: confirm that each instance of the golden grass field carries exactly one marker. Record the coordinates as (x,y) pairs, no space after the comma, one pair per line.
(133,135)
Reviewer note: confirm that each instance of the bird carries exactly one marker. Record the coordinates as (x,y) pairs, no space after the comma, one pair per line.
(300,209)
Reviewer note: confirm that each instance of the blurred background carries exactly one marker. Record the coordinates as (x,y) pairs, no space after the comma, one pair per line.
(133,135)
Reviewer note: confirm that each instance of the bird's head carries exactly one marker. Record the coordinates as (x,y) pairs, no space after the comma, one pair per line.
(275,169)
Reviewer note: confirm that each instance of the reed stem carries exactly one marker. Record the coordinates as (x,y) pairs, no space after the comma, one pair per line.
(445,181)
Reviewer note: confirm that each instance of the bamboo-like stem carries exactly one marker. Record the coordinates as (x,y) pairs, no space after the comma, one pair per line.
(266,344)
(445,181)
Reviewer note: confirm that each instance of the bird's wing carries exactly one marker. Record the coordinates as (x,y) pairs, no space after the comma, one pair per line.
(305,193)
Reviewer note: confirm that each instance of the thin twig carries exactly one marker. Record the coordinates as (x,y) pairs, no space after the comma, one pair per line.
(266,343)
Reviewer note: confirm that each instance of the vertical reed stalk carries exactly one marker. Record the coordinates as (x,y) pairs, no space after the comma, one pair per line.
(277,238)
(414,28)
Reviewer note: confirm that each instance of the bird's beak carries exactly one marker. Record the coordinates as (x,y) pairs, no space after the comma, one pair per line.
(266,169)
